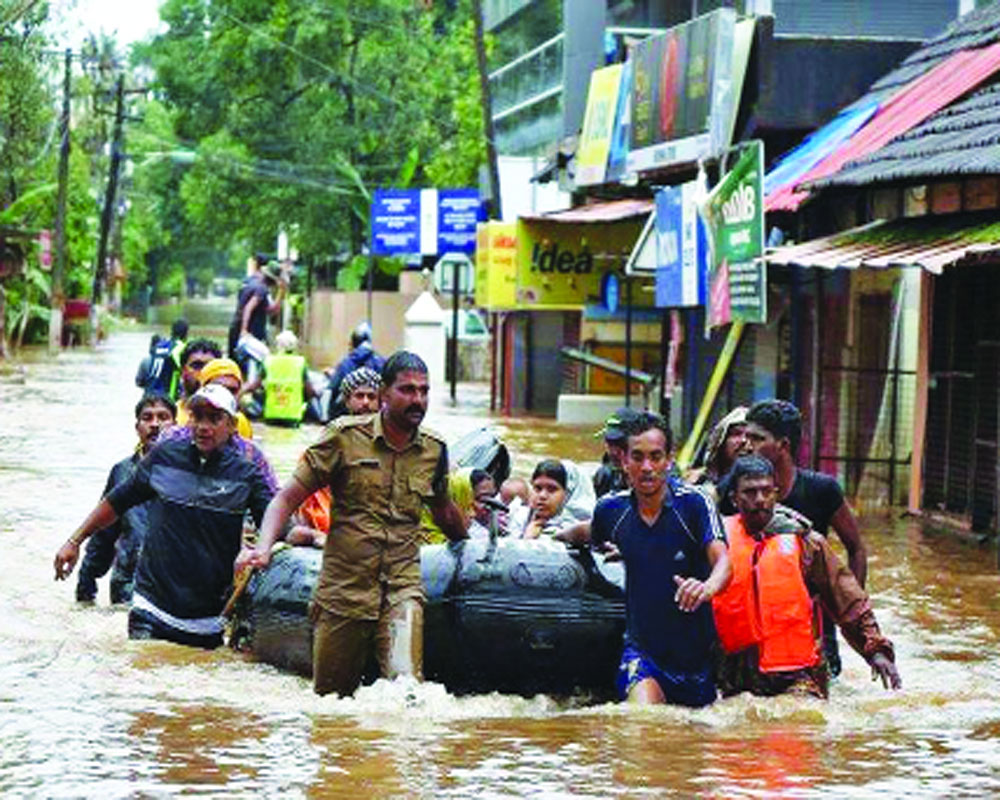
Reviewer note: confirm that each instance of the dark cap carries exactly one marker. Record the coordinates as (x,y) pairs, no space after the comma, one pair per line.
(616,426)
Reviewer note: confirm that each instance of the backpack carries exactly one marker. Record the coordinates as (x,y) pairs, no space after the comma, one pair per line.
(161,368)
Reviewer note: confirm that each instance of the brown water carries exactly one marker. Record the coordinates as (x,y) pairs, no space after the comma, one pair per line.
(86,713)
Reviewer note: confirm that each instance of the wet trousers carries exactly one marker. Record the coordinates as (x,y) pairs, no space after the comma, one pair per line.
(143,625)
(104,549)
(341,646)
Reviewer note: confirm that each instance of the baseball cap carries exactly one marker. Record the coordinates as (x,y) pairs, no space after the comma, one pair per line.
(215,395)
(616,426)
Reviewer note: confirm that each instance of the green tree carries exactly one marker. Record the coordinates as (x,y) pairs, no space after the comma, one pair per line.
(297,110)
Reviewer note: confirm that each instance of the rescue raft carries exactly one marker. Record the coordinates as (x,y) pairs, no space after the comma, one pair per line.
(502,614)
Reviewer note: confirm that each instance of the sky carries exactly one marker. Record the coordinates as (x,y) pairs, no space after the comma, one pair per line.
(129,20)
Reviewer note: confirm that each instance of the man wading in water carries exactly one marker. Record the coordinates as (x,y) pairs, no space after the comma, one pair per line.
(120,543)
(670,538)
(783,571)
(201,485)
(381,468)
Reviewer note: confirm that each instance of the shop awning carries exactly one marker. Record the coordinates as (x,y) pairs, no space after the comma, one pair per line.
(612,211)
(922,97)
(929,243)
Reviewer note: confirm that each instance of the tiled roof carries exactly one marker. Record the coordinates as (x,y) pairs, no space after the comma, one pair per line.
(931,243)
(976,29)
(961,138)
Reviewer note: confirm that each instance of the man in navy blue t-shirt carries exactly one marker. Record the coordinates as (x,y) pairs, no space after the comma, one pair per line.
(674,550)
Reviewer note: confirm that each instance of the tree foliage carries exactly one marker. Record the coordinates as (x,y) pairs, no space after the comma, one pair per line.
(297,110)
(245,118)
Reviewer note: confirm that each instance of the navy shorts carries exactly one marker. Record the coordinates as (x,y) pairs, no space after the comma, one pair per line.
(694,689)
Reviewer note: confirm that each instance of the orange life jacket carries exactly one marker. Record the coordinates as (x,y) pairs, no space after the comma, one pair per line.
(767,603)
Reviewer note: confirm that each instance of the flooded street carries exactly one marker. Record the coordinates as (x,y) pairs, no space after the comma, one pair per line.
(86,713)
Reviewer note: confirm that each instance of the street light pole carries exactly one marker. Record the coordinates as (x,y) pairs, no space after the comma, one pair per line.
(59,265)
(109,204)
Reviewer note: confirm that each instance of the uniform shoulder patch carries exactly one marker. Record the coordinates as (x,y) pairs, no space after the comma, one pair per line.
(430,433)
(362,424)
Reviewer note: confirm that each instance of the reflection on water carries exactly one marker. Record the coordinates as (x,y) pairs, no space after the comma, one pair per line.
(85,712)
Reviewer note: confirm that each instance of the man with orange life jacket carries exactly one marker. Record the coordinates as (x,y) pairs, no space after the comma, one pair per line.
(768,618)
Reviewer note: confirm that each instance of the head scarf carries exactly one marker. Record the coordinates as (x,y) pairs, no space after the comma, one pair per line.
(218,367)
(362,376)
(718,435)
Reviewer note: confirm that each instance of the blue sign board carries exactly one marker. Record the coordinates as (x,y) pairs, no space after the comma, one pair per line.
(458,212)
(610,292)
(681,248)
(425,221)
(395,220)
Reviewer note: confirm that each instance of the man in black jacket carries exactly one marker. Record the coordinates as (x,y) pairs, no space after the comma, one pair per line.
(201,485)
(121,541)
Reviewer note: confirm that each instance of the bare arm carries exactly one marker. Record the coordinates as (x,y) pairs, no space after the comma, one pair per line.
(247,313)
(448,517)
(578,534)
(691,592)
(846,526)
(101,517)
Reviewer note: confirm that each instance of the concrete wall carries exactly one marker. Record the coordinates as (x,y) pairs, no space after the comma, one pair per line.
(330,317)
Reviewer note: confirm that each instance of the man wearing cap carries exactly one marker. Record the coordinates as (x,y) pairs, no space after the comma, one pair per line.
(383,469)
(362,355)
(254,304)
(202,486)
(610,476)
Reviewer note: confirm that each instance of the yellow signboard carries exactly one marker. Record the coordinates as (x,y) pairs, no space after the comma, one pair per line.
(561,264)
(496,269)
(598,125)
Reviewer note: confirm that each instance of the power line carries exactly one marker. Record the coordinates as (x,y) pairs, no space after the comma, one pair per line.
(306,57)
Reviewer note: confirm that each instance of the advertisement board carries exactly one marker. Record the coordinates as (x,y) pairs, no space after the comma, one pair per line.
(681,248)
(682,92)
(560,265)
(734,216)
(496,264)
(598,125)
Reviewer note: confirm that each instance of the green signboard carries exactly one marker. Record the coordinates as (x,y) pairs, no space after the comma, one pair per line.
(734,212)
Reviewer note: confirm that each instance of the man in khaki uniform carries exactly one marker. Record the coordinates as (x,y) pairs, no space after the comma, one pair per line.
(381,468)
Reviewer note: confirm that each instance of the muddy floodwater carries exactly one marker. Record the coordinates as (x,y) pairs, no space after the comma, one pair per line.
(86,713)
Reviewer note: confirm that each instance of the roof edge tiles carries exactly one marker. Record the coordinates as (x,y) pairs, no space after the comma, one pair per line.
(930,244)
(612,211)
(913,104)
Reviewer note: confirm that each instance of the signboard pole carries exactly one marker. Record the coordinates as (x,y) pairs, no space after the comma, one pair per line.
(664,361)
(628,342)
(453,343)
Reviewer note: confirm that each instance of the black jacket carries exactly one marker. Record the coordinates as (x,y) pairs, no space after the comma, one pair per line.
(195,522)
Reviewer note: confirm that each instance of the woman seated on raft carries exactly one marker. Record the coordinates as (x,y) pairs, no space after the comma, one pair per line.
(559,499)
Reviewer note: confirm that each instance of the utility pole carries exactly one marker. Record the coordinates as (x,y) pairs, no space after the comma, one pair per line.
(59,267)
(109,204)
(496,210)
